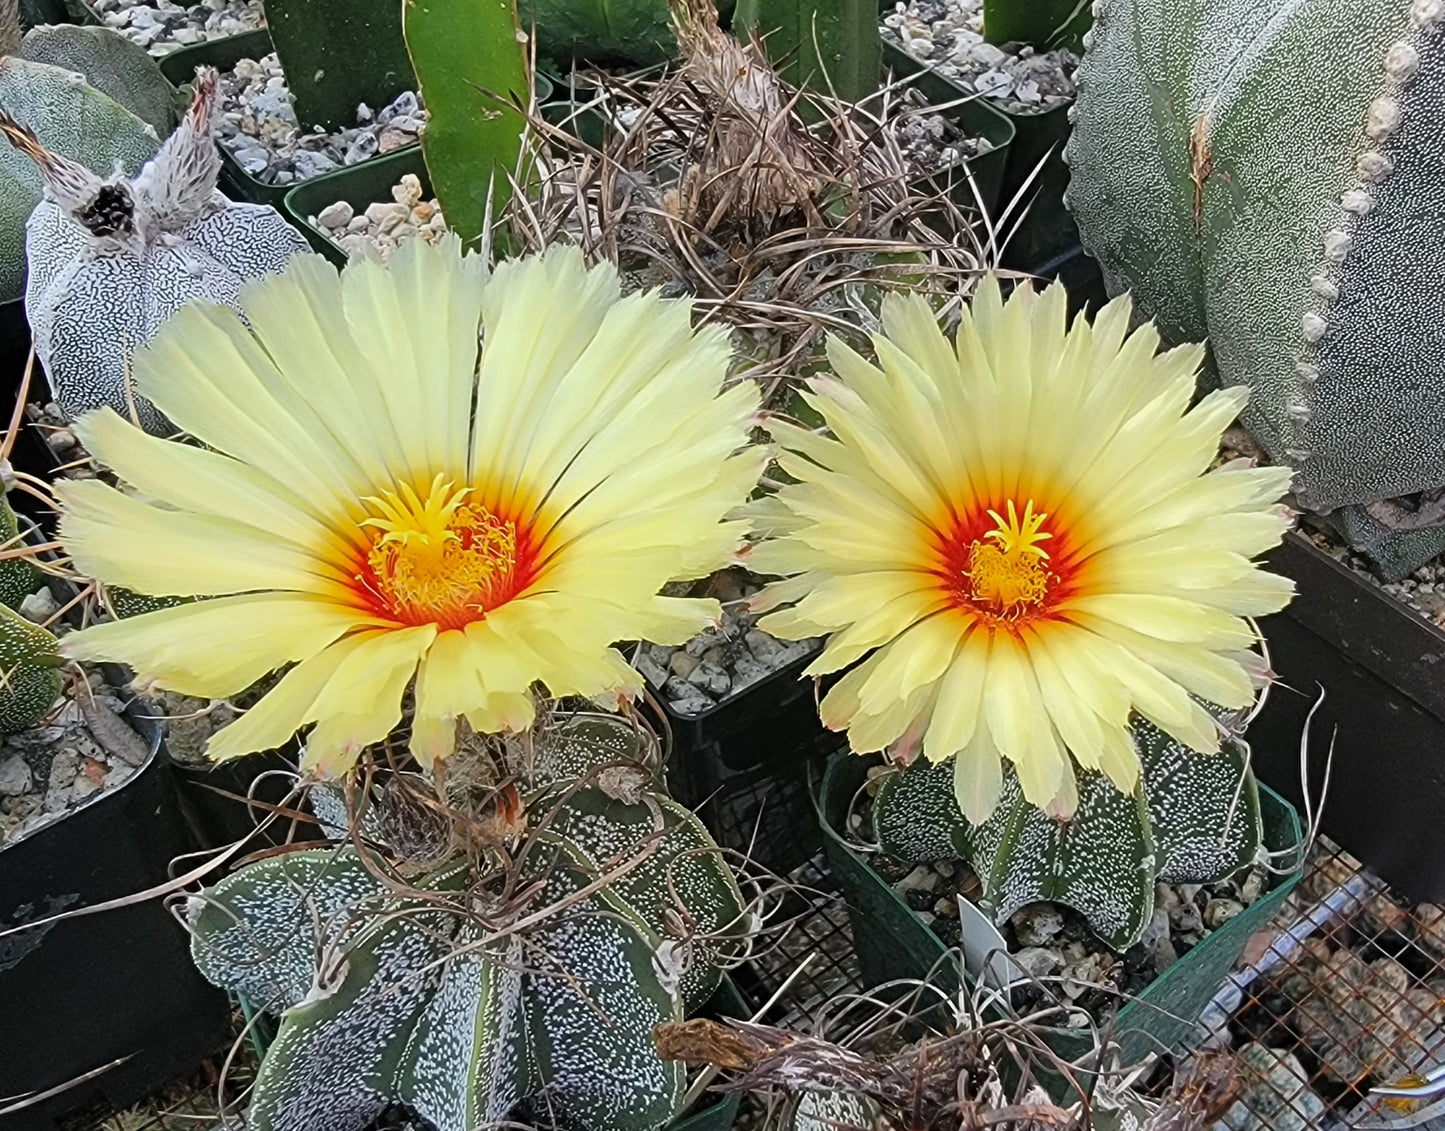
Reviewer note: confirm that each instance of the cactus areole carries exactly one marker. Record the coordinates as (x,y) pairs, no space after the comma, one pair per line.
(1272,177)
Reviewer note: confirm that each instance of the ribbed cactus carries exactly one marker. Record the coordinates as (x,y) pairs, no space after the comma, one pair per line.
(29,672)
(1193,819)
(73,120)
(464,1001)
(1269,176)
(112,257)
(18,576)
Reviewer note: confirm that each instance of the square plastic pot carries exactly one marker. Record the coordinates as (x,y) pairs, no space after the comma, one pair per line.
(116,990)
(893,943)
(1382,667)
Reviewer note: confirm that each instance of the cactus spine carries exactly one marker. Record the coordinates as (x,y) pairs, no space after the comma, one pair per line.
(1285,199)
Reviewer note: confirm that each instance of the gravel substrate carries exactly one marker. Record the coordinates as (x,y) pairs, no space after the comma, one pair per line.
(258,128)
(721,662)
(77,753)
(947,35)
(1423,592)
(383,226)
(163,27)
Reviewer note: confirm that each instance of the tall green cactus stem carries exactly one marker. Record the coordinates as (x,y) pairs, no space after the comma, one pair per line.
(1046,24)
(471,65)
(29,672)
(634,31)
(436,999)
(1268,176)
(70,118)
(339,53)
(826,45)
(1193,819)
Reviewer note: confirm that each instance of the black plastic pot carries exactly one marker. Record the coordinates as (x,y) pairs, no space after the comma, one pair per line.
(893,943)
(115,991)
(743,766)
(1383,670)
(976,118)
(213,794)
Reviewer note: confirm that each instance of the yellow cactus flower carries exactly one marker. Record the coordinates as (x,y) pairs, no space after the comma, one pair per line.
(381,499)
(1019,528)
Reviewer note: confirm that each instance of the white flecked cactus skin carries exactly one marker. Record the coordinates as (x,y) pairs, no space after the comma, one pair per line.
(463,1013)
(110,260)
(1271,176)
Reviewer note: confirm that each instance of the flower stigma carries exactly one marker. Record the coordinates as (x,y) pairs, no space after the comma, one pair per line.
(439,559)
(1008,575)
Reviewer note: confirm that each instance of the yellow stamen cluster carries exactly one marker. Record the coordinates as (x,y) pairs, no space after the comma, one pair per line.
(440,559)
(1011,575)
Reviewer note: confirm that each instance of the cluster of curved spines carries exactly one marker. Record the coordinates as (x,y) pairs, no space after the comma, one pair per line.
(1268,178)
(389,999)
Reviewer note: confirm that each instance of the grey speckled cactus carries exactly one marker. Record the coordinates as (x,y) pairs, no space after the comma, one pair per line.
(439,1000)
(112,258)
(72,119)
(1269,176)
(1193,819)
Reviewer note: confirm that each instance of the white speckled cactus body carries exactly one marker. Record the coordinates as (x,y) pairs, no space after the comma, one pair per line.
(1271,176)
(1192,819)
(431,1000)
(110,259)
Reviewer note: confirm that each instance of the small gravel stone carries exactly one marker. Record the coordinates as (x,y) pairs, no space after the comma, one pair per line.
(39,606)
(1218,912)
(1035,924)
(1037,961)
(15,776)
(336,215)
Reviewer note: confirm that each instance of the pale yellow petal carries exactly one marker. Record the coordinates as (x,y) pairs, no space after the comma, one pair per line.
(978,777)
(177,649)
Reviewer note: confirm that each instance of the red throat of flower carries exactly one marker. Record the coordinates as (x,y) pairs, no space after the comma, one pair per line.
(442,558)
(1004,567)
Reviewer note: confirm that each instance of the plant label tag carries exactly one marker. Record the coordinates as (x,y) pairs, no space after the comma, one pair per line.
(985,952)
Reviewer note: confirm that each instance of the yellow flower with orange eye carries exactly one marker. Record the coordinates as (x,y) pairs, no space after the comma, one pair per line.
(1016,539)
(382,501)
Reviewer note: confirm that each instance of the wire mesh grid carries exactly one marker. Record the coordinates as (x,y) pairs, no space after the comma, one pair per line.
(1347,995)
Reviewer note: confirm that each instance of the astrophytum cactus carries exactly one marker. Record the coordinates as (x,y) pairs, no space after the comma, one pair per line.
(1192,819)
(112,257)
(1268,176)
(449,993)
(69,117)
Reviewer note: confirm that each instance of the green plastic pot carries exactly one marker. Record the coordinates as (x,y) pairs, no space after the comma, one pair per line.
(358,185)
(893,943)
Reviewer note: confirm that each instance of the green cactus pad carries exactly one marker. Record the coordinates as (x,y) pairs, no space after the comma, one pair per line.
(827,45)
(685,872)
(29,672)
(578,746)
(1195,818)
(70,118)
(1269,178)
(111,64)
(428,1011)
(18,576)
(636,31)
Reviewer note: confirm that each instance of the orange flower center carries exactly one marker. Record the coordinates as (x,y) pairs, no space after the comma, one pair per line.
(441,559)
(1010,573)
(992,563)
